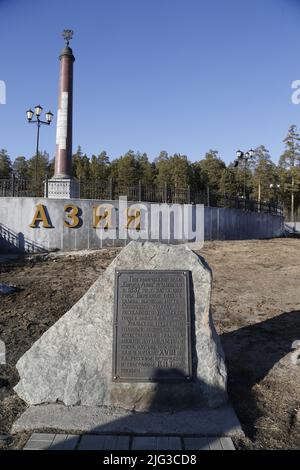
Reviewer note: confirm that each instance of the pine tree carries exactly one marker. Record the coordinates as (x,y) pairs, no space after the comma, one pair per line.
(20,167)
(180,171)
(81,165)
(41,164)
(145,169)
(264,174)
(228,184)
(163,169)
(127,170)
(5,164)
(198,177)
(100,167)
(289,170)
(51,168)
(212,167)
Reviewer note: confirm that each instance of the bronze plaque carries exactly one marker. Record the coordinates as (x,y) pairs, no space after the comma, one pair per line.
(152,326)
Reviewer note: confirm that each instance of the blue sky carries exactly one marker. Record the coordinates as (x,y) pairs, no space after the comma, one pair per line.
(177,75)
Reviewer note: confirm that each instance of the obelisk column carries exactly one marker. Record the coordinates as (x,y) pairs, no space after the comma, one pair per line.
(62,185)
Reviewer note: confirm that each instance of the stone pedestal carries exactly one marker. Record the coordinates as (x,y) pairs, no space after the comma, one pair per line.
(62,189)
(221,421)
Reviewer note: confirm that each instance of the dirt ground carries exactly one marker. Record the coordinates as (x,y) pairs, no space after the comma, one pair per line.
(256,309)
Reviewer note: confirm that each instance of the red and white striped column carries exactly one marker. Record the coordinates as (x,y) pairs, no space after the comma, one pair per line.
(62,185)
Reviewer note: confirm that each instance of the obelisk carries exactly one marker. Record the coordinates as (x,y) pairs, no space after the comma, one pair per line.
(62,185)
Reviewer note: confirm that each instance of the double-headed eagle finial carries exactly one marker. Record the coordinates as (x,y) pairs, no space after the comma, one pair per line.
(68,35)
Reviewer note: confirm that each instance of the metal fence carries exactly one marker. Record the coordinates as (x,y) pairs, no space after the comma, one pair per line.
(95,189)
(16,187)
(289,217)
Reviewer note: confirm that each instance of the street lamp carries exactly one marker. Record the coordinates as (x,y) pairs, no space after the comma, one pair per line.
(243,157)
(49,116)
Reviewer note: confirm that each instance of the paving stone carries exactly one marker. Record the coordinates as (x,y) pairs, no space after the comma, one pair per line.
(208,443)
(44,441)
(64,442)
(156,443)
(39,441)
(227,443)
(36,436)
(196,443)
(38,444)
(169,443)
(214,444)
(90,442)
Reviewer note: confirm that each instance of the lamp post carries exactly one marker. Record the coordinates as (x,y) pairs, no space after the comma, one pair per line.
(49,116)
(243,157)
(275,187)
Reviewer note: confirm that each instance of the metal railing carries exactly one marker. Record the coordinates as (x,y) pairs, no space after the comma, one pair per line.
(19,187)
(11,240)
(95,189)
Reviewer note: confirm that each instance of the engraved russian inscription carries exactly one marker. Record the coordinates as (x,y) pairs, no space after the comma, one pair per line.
(152,326)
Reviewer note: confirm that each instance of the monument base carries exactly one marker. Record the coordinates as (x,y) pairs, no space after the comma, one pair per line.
(62,188)
(219,422)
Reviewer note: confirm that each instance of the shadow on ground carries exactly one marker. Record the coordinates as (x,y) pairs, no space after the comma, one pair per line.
(162,421)
(251,352)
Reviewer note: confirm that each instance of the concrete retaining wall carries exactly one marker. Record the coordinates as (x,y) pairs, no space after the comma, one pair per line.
(236,224)
(17,214)
(292,227)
